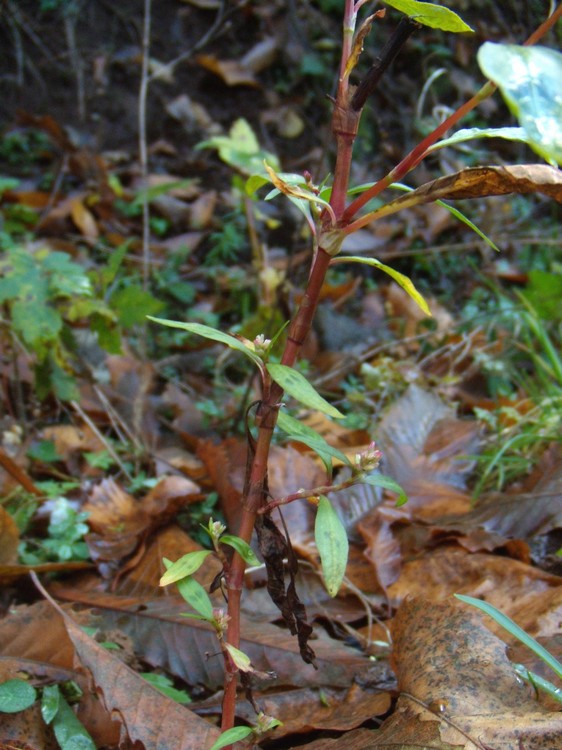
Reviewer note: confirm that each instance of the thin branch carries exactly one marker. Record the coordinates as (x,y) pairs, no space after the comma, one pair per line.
(143,149)
(397,40)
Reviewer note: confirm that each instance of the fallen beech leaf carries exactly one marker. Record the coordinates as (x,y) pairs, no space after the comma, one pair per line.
(148,716)
(232,72)
(84,220)
(188,648)
(453,670)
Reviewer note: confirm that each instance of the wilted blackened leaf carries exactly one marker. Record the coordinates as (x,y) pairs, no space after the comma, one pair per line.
(274,548)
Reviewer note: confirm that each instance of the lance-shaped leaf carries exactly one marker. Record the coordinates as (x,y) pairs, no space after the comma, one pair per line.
(429,14)
(332,543)
(471,134)
(506,622)
(302,433)
(242,547)
(195,595)
(232,735)
(381,480)
(406,283)
(297,386)
(207,332)
(529,80)
(294,191)
(475,182)
(185,566)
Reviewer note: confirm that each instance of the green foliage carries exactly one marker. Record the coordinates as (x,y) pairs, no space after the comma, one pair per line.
(45,292)
(243,549)
(235,734)
(297,386)
(65,537)
(240,149)
(513,629)
(15,696)
(185,566)
(69,730)
(429,14)
(165,686)
(21,148)
(333,547)
(529,79)
(300,432)
(228,243)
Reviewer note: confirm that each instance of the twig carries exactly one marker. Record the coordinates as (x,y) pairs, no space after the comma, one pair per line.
(109,448)
(143,149)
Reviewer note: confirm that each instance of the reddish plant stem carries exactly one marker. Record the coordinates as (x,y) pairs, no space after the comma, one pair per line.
(418,153)
(345,123)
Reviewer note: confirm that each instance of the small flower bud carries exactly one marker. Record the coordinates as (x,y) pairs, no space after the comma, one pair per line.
(261,345)
(369,459)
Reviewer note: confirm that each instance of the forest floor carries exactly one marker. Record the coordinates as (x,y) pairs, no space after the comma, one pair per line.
(120,438)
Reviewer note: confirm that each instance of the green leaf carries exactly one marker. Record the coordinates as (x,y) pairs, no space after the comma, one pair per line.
(240,659)
(240,149)
(470,134)
(44,451)
(455,211)
(301,433)
(232,735)
(185,566)
(155,191)
(165,686)
(211,333)
(429,14)
(529,80)
(196,596)
(133,305)
(243,549)
(507,623)
(332,543)
(406,283)
(381,480)
(297,386)
(69,730)
(50,701)
(538,682)
(16,695)
(36,321)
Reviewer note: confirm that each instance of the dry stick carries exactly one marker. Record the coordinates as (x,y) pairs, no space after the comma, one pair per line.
(143,150)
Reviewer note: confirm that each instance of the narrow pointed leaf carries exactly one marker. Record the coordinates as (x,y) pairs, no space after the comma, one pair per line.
(471,134)
(302,433)
(429,14)
(529,80)
(332,543)
(185,566)
(297,386)
(243,549)
(406,283)
(195,595)
(507,623)
(295,191)
(381,480)
(207,332)
(236,734)
(240,659)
